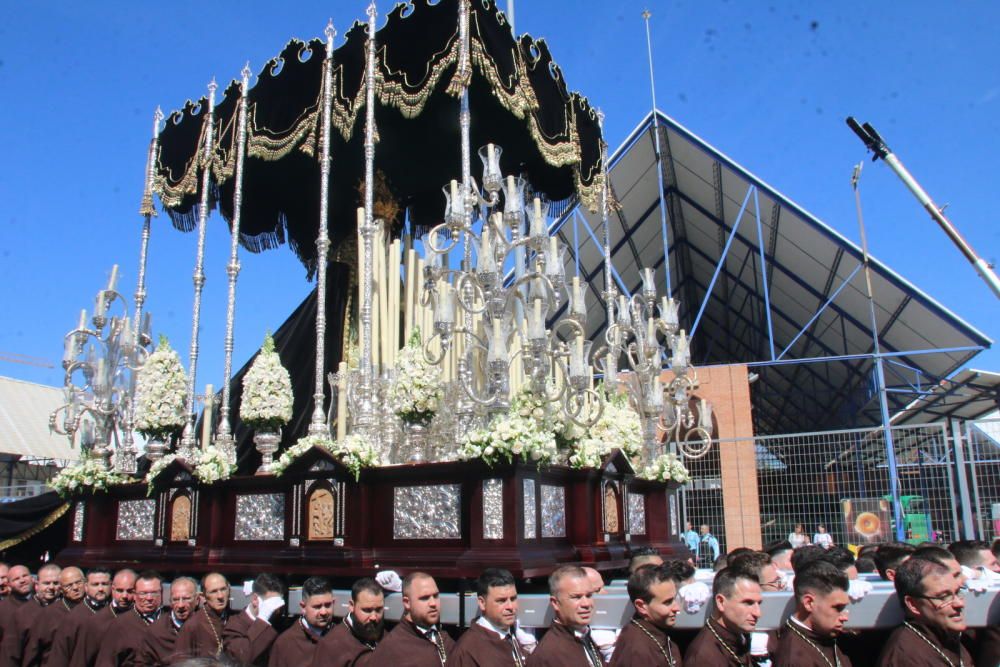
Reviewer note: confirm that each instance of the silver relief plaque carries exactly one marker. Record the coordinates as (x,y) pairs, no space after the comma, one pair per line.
(260,517)
(427,512)
(553,511)
(530,527)
(492,509)
(78,512)
(135,519)
(636,514)
(673,514)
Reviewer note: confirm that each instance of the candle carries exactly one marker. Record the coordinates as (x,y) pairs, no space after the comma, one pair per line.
(651,331)
(647,281)
(576,360)
(341,401)
(147,325)
(394,288)
(411,258)
(83,319)
(99,306)
(552,261)
(537,223)
(512,202)
(113,279)
(579,297)
(536,328)
(206,416)
(491,154)
(455,208)
(487,263)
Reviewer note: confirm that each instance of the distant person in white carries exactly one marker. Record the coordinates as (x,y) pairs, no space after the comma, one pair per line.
(822,538)
(798,537)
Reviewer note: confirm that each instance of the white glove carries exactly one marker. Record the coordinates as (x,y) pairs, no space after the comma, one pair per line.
(248,587)
(390,581)
(975,580)
(527,640)
(605,641)
(267,606)
(758,644)
(857,589)
(695,596)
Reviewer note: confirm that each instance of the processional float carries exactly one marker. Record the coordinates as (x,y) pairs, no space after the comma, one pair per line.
(463,427)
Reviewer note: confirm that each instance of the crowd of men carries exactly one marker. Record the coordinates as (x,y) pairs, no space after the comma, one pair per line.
(63,617)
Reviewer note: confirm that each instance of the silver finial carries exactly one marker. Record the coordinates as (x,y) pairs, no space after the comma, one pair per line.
(157,119)
(330,32)
(646,14)
(246,73)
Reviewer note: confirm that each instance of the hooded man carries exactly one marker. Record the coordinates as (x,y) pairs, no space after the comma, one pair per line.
(353,642)
(645,641)
(492,640)
(159,646)
(568,642)
(15,637)
(809,637)
(203,636)
(248,636)
(97,588)
(296,646)
(725,639)
(92,629)
(418,640)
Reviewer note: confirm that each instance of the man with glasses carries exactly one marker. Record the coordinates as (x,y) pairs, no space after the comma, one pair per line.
(933,602)
(96,592)
(15,636)
(122,642)
(159,645)
(202,637)
(88,639)
(42,632)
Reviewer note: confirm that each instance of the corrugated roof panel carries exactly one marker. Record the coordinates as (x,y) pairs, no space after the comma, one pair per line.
(24,421)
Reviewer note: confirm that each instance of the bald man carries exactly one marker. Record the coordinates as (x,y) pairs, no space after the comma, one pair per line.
(88,638)
(201,636)
(418,640)
(159,645)
(15,637)
(42,632)
(21,591)
(67,635)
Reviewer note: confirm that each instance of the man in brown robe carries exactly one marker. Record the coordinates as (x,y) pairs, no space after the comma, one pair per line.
(201,637)
(21,592)
(248,635)
(96,591)
(491,641)
(809,636)
(295,646)
(725,639)
(418,640)
(567,642)
(645,641)
(15,636)
(932,598)
(92,629)
(41,634)
(351,644)
(4,583)
(121,643)
(159,644)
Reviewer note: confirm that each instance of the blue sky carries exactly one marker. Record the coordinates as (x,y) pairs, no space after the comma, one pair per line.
(769,84)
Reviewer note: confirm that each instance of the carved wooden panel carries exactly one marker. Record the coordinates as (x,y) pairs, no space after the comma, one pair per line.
(180,518)
(320,515)
(612,522)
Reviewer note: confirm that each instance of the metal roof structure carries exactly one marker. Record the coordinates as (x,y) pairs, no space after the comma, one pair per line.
(968,394)
(24,423)
(801,323)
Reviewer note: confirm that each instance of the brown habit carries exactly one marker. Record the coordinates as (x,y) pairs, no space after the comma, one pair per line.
(67,634)
(406,646)
(481,647)
(7,608)
(15,636)
(41,634)
(560,648)
(294,647)
(706,651)
(635,648)
(248,639)
(201,635)
(159,645)
(798,646)
(90,635)
(121,643)
(906,648)
(340,648)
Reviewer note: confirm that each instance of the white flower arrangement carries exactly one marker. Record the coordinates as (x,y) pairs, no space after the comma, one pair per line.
(416,392)
(303,445)
(587,453)
(159,465)
(666,468)
(211,465)
(161,392)
(357,452)
(89,475)
(618,426)
(508,436)
(267,391)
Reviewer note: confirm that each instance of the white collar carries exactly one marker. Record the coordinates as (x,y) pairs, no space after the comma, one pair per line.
(500,632)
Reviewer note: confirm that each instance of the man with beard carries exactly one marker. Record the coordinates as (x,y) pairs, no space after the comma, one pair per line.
(568,642)
(418,640)
(725,639)
(809,637)
(202,637)
(933,602)
(122,641)
(159,645)
(15,637)
(88,638)
(351,643)
(248,635)
(96,591)
(21,592)
(296,646)
(645,641)
(42,632)
(491,641)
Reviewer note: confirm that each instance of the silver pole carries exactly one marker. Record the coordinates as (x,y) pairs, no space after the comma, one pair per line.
(189,438)
(510,15)
(659,160)
(224,435)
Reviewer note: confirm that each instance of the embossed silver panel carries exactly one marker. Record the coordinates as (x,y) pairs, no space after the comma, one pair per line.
(674,525)
(135,519)
(492,509)
(427,512)
(530,527)
(260,517)
(78,513)
(636,514)
(553,511)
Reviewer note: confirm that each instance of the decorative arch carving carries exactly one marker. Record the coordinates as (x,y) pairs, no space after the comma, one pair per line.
(612,514)
(180,518)
(321,512)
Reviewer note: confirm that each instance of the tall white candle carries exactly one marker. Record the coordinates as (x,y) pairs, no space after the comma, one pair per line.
(113,280)
(83,319)
(455,206)
(411,260)
(206,416)
(341,401)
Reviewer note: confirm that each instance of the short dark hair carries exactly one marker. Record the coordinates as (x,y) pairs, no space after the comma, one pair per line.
(890,556)
(563,571)
(642,580)
(967,552)
(806,554)
(268,583)
(681,569)
(726,580)
(493,577)
(149,575)
(935,554)
(739,551)
(99,570)
(721,563)
(315,586)
(910,576)
(819,576)
(750,561)
(365,585)
(839,556)
(995,547)
(865,565)
(775,548)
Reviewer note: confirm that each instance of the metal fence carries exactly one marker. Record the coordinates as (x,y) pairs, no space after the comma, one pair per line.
(982,440)
(840,480)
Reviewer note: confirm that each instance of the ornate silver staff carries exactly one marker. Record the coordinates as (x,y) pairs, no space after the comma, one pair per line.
(189,438)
